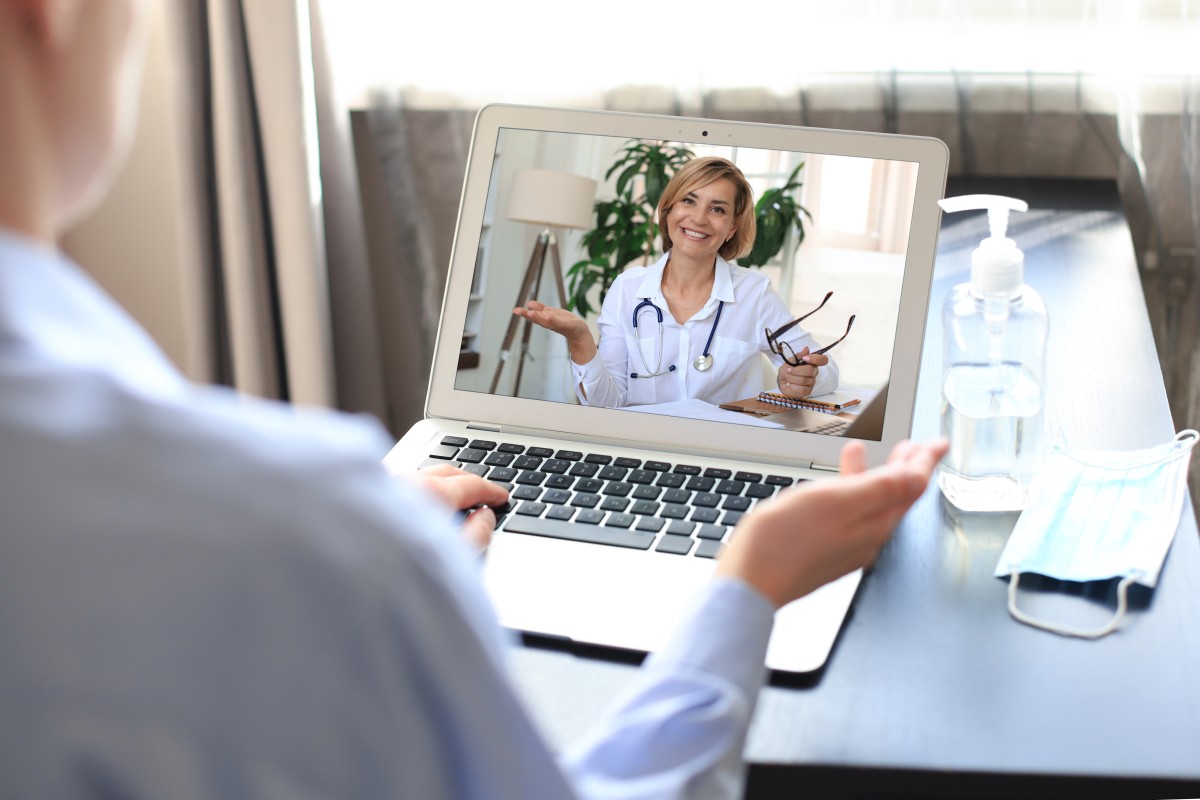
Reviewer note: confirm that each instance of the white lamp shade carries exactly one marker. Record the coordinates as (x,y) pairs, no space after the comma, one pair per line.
(551,199)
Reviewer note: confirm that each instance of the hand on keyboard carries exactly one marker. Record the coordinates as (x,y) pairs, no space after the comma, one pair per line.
(463,491)
(812,534)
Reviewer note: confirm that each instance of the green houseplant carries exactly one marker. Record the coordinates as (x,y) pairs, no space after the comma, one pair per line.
(776,214)
(626,228)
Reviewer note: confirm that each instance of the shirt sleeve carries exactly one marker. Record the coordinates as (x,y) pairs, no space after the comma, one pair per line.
(602,381)
(680,729)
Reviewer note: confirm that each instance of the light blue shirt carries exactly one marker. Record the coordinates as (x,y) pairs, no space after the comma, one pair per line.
(208,596)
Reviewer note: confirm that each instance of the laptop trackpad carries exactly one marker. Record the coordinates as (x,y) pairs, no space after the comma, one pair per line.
(632,599)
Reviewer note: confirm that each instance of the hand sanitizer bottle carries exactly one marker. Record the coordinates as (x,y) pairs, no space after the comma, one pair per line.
(994,351)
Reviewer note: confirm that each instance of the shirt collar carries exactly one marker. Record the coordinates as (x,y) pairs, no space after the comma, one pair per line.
(50,308)
(722,290)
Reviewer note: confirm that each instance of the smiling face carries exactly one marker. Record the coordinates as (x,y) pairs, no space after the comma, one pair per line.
(701,221)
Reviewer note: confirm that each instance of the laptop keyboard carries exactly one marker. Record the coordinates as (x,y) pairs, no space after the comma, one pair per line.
(682,509)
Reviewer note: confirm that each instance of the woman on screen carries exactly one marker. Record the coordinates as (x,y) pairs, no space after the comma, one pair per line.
(692,325)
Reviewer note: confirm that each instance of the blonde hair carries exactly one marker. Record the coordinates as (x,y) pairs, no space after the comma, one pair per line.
(701,172)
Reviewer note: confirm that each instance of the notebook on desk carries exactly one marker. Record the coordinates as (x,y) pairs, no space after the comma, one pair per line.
(616,516)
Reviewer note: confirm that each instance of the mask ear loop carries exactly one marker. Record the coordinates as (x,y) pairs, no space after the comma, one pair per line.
(1067,630)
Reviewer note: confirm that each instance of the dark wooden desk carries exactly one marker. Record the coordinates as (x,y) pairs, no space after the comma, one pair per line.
(932,689)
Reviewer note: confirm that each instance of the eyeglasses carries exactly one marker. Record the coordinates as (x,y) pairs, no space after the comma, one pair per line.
(785,351)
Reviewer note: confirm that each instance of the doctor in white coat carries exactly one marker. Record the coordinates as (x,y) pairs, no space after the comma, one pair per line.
(692,325)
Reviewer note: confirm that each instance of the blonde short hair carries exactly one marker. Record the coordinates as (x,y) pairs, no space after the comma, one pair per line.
(701,172)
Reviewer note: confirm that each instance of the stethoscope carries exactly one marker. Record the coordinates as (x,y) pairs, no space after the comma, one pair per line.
(702,362)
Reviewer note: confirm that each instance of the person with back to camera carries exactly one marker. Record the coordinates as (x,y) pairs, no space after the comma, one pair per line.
(718,317)
(207,596)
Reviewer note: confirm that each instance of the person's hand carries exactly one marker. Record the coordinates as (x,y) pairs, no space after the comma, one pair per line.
(578,335)
(798,382)
(463,491)
(817,532)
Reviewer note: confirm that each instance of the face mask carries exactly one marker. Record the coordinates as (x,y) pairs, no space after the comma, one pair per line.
(1096,516)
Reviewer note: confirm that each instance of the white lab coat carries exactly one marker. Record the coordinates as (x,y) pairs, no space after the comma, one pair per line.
(751,306)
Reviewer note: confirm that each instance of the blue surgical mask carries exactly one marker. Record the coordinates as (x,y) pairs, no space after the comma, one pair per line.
(1099,515)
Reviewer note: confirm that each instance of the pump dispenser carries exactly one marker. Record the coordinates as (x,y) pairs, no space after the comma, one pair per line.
(993,351)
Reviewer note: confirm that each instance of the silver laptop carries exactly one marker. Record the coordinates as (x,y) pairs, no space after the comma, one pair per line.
(618,514)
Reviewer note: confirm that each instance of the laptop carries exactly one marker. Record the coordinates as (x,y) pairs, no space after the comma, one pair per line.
(618,514)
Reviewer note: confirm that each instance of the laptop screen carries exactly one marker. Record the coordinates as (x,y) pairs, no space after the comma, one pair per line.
(567,218)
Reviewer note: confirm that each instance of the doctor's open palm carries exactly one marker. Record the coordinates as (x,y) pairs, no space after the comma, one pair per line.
(571,326)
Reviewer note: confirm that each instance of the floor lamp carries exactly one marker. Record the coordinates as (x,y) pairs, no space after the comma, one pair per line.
(549,200)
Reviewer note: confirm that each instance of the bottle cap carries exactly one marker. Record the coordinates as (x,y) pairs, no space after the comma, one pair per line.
(997,266)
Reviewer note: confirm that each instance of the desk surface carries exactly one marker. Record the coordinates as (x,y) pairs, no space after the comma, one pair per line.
(932,689)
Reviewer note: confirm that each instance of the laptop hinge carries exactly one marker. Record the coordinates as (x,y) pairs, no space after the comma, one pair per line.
(483,426)
(823,467)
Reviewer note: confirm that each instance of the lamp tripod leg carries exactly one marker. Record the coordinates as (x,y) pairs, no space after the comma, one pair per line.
(531,272)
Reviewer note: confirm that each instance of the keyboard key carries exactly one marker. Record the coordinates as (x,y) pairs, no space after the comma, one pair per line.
(502,474)
(515,449)
(731,487)
(681,527)
(670,480)
(585,500)
(779,480)
(582,469)
(677,545)
(677,496)
(558,529)
(558,481)
(719,474)
(556,496)
(526,493)
(759,490)
(735,503)
(471,455)
(701,484)
(475,469)
(705,515)
(619,520)
(569,455)
(656,466)
(644,507)
(590,516)
(611,473)
(531,508)
(444,451)
(748,477)
(687,469)
(614,504)
(589,485)
(453,441)
(483,444)
(673,511)
(527,462)
(499,459)
(641,476)
(651,524)
(618,489)
(560,513)
(631,463)
(646,492)
(715,532)
(555,465)
(708,548)
(540,452)
(731,518)
(531,478)
(597,458)
(706,499)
